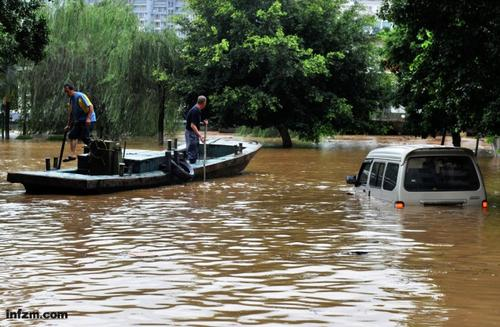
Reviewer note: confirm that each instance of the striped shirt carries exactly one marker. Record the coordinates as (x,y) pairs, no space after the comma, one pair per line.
(80,106)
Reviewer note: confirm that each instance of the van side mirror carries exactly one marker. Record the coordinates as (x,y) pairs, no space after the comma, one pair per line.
(350,179)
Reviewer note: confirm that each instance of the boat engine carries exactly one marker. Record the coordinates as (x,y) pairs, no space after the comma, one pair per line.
(103,158)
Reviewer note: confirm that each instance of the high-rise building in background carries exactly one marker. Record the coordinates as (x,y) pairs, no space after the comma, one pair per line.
(371,6)
(157,14)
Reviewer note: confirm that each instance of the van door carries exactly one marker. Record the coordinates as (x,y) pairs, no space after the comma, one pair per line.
(362,180)
(376,177)
(389,191)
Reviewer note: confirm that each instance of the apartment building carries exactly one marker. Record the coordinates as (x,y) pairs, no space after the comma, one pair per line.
(157,14)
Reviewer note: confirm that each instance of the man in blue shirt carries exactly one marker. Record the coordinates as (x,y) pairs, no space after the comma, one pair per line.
(80,116)
(192,133)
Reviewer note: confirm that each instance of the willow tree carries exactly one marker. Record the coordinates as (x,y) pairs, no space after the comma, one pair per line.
(99,48)
(146,73)
(82,38)
(301,65)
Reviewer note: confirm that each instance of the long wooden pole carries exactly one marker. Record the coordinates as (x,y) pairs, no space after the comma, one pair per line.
(205,155)
(62,150)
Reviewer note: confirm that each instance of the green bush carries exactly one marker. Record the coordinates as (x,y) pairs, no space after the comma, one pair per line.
(24,137)
(257,132)
(55,137)
(490,139)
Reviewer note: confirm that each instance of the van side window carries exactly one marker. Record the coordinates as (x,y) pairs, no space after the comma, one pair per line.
(376,174)
(363,173)
(391,176)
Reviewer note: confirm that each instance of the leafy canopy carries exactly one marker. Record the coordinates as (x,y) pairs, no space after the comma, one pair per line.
(23,31)
(301,65)
(445,54)
(100,49)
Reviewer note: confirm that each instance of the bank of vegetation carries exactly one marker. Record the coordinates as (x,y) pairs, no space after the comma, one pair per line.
(304,68)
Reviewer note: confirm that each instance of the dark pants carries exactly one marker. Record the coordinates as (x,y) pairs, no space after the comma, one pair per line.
(191,145)
(80,131)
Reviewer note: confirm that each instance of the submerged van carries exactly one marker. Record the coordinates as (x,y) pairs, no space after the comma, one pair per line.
(421,175)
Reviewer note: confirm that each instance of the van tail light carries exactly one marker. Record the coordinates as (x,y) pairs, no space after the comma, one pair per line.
(485,204)
(399,205)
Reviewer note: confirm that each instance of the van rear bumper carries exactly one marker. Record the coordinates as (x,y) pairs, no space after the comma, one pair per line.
(444,202)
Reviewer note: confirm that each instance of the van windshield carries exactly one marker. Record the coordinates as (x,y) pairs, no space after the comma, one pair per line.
(440,173)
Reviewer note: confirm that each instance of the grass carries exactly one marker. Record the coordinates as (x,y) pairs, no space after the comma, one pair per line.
(24,137)
(55,137)
(271,137)
(257,132)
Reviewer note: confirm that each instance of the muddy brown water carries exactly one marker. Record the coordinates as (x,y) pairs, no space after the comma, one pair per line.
(283,243)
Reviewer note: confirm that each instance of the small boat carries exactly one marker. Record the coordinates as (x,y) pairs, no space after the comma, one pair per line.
(105,168)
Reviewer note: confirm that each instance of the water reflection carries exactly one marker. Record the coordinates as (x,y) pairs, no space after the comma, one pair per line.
(281,244)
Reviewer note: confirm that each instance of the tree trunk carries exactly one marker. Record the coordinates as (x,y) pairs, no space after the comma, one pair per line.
(102,120)
(2,124)
(443,138)
(496,146)
(6,107)
(161,116)
(25,113)
(456,139)
(285,136)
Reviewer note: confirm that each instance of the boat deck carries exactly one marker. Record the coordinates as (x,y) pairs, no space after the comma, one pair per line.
(143,170)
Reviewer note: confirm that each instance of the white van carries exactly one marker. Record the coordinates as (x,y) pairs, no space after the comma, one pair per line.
(421,175)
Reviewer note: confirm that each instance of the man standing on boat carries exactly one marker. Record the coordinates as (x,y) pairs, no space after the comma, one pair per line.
(192,133)
(80,117)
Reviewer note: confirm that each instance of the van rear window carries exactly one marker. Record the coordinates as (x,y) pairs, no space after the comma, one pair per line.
(440,173)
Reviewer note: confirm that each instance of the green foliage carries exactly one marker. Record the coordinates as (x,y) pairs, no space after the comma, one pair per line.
(445,54)
(23,31)
(127,73)
(55,137)
(151,63)
(257,132)
(24,137)
(83,38)
(305,66)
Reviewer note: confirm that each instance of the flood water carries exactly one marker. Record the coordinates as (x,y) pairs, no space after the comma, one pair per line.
(283,243)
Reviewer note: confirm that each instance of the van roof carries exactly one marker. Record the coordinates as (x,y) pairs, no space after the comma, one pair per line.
(399,153)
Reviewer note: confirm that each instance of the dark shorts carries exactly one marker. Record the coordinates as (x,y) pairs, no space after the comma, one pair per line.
(80,131)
